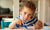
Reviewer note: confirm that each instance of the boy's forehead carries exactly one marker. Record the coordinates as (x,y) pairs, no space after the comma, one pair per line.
(27,9)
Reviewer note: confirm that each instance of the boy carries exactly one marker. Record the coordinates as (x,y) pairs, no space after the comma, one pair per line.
(26,16)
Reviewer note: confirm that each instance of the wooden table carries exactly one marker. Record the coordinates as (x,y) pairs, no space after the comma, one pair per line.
(6,15)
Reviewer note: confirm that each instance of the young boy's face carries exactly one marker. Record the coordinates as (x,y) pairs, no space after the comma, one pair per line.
(26,13)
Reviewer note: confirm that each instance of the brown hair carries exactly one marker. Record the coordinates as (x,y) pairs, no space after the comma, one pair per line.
(29,4)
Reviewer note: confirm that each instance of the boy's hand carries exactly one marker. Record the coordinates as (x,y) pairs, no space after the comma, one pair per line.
(19,21)
(38,25)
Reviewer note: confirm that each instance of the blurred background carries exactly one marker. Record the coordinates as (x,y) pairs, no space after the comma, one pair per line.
(6,9)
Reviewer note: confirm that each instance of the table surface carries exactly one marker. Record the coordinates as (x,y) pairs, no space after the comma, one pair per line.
(29,28)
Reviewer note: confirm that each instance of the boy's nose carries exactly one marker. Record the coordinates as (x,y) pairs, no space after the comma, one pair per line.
(26,16)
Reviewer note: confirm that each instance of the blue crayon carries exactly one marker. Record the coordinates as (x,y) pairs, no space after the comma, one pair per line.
(24,26)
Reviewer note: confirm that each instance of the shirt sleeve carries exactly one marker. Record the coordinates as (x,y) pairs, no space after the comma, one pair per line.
(17,17)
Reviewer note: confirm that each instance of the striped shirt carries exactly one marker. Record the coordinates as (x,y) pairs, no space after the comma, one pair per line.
(30,22)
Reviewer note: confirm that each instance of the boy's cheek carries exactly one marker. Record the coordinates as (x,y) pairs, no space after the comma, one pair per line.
(29,18)
(22,15)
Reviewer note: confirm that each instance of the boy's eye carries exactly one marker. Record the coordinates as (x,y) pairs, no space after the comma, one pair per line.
(24,12)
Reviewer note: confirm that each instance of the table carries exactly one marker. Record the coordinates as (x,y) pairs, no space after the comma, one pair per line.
(22,28)
(29,28)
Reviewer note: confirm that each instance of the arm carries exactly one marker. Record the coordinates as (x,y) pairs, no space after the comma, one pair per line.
(13,24)
(38,25)
(17,21)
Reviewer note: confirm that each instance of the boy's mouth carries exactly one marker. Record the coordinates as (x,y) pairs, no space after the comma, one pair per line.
(25,18)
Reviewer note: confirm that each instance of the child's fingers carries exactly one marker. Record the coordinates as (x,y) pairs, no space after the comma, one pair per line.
(20,23)
(23,23)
